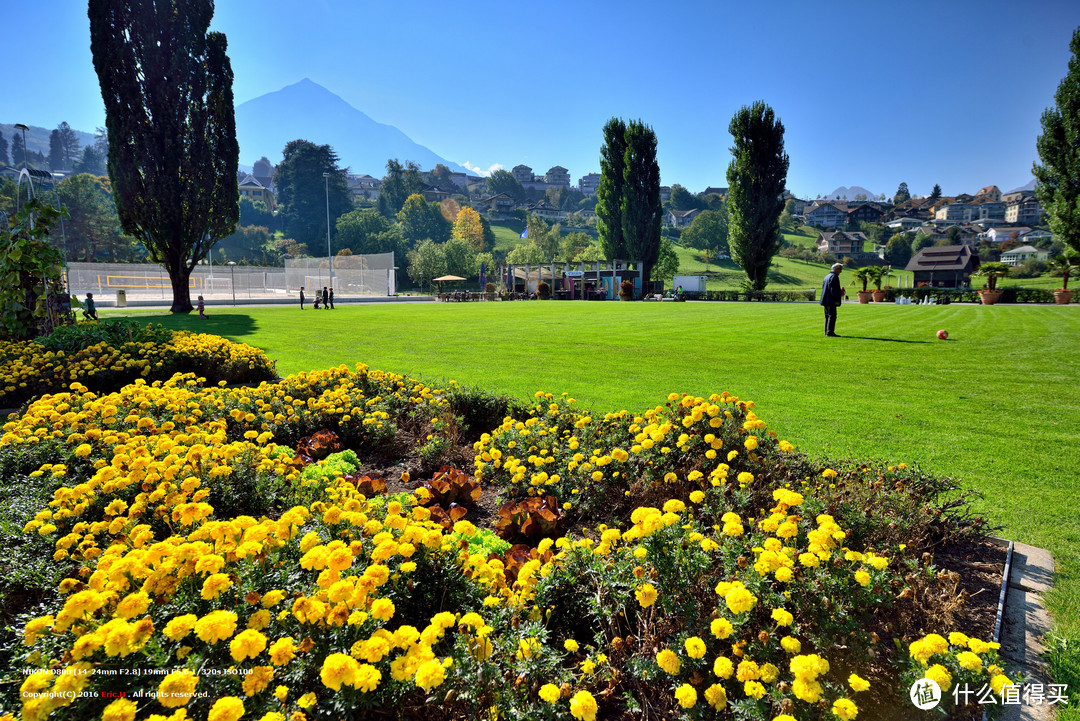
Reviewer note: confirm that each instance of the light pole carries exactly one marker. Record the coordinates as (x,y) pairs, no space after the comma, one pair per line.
(26,153)
(232,279)
(329,258)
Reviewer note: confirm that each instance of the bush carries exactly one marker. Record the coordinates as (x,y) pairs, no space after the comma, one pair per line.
(543,290)
(1030,268)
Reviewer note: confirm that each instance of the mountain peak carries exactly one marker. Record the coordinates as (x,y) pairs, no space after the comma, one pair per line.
(310,111)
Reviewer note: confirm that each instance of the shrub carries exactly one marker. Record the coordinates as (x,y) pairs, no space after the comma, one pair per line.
(543,290)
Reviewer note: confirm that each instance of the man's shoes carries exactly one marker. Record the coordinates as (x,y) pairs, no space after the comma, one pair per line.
(831,335)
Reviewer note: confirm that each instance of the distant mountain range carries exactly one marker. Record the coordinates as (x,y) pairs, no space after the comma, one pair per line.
(308,111)
(846,193)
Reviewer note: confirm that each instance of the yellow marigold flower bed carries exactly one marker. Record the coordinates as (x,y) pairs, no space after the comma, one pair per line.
(192,545)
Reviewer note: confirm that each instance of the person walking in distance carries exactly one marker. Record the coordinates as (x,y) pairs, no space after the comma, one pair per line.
(832,294)
(325,299)
(90,311)
(202,308)
(331,299)
(301,297)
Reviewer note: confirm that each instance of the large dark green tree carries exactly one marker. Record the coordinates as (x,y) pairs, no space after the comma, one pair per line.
(609,191)
(641,208)
(1058,177)
(400,182)
(167,87)
(502,181)
(935,193)
(3,150)
(902,194)
(756,178)
(303,191)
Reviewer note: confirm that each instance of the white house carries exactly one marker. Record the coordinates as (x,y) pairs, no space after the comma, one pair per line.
(1016,256)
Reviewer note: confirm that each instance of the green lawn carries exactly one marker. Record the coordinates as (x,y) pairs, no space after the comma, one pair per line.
(507,233)
(995,405)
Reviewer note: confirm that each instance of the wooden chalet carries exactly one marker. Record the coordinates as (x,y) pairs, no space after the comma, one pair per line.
(946,266)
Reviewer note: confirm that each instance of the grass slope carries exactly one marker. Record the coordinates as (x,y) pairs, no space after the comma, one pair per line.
(785,273)
(994,405)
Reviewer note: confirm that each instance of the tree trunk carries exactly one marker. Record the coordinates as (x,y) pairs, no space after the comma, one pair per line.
(179,276)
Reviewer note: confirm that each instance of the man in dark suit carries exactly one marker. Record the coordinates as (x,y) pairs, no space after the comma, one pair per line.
(831,296)
(302,297)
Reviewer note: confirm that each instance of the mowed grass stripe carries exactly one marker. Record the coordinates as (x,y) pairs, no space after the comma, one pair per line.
(995,405)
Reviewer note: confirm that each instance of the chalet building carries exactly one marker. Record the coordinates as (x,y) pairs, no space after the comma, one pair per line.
(864,212)
(990,192)
(363,186)
(501,203)
(1009,232)
(256,192)
(681,218)
(843,244)
(826,215)
(1015,196)
(434,194)
(545,210)
(522,174)
(1016,256)
(946,266)
(722,192)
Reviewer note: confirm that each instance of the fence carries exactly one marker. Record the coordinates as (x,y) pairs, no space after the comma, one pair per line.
(352,276)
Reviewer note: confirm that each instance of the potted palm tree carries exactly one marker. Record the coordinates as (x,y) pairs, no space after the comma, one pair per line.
(1065,262)
(991,271)
(864,276)
(877,274)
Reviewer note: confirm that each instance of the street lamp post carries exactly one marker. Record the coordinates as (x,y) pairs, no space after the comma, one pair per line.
(26,154)
(329,258)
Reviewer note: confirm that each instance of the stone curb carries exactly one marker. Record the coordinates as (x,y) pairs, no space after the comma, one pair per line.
(1024,622)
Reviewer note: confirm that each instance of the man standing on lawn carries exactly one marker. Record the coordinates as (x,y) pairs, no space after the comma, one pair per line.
(831,296)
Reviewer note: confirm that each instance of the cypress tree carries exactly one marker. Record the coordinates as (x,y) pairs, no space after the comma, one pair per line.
(756,178)
(609,191)
(167,87)
(1058,178)
(640,206)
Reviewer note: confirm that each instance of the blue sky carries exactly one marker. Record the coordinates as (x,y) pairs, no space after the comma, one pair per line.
(870,93)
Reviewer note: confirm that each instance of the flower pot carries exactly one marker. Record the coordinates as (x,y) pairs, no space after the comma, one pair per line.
(989,297)
(865,297)
(879,296)
(1062,297)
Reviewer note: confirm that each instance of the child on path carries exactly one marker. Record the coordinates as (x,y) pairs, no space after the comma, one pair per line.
(331,299)
(202,307)
(91,309)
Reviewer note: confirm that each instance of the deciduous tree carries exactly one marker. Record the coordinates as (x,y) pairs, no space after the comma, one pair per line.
(502,181)
(756,179)
(1058,177)
(902,194)
(469,227)
(708,230)
(166,83)
(460,258)
(667,262)
(367,231)
(426,263)
(421,220)
(898,250)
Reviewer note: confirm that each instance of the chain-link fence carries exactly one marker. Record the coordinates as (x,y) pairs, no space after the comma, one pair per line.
(352,276)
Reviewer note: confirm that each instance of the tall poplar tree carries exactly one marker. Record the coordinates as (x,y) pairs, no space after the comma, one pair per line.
(756,178)
(167,87)
(1058,178)
(609,191)
(641,208)
(3,150)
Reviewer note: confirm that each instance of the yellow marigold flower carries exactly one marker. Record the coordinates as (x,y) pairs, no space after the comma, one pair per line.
(769,673)
(751,443)
(723,667)
(674,505)
(695,647)
(786,447)
(282,651)
(645,594)
(214,585)
(272,598)
(120,710)
(35,628)
(941,675)
(583,706)
(978,646)
(382,609)
(177,688)
(784,717)
(257,681)
(571,645)
(809,560)
(744,477)
(998,682)
(740,600)
(306,701)
(669,661)
(180,626)
(228,708)
(969,660)
(430,675)
(828,473)
(247,644)
(366,678)
(216,626)
(782,617)
(747,671)
(862,578)
(686,695)
(716,696)
(83,450)
(753,688)
(857,683)
(784,574)
(338,669)
(958,639)
(844,709)
(550,692)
